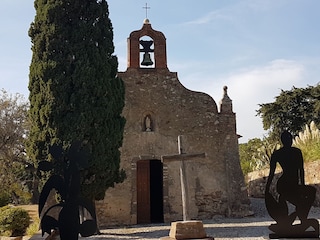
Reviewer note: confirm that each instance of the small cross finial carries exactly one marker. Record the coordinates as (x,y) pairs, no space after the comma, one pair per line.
(146,7)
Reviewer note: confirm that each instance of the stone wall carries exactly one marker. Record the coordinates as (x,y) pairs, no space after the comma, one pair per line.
(257,180)
(215,183)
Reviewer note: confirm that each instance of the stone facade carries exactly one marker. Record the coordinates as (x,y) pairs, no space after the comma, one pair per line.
(158,108)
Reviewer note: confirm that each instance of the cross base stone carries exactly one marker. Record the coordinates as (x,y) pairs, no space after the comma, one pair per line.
(169,238)
(192,230)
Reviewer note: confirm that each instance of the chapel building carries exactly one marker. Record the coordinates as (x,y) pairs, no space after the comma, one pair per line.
(158,109)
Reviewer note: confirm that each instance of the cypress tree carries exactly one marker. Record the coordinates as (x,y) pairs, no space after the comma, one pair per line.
(75,93)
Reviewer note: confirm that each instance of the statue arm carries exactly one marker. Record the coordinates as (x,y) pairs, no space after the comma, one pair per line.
(273,164)
(301,169)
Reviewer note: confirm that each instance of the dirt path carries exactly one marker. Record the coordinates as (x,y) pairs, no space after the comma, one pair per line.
(32,210)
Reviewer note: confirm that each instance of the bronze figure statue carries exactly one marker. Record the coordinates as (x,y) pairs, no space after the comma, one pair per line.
(291,188)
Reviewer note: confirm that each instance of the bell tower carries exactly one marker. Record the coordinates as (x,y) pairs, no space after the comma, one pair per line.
(149,53)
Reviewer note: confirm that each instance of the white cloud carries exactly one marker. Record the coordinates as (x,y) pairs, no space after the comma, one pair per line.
(262,83)
(262,5)
(209,17)
(247,88)
(258,85)
(236,11)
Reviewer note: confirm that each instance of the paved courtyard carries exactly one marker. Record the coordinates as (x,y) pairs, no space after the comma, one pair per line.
(250,228)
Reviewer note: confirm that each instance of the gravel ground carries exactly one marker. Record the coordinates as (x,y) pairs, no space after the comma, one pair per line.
(249,228)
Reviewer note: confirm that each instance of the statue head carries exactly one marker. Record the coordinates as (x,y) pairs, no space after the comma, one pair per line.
(286,139)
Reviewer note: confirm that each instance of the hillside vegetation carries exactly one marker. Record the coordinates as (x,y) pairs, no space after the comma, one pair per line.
(256,153)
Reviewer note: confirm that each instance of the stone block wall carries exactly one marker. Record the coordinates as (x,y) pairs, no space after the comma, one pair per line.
(215,184)
(257,180)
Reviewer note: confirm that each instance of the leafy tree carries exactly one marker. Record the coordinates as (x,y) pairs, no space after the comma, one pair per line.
(74,91)
(262,156)
(292,110)
(256,153)
(247,152)
(13,131)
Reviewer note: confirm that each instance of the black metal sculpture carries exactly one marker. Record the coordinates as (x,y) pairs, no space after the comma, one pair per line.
(67,220)
(290,188)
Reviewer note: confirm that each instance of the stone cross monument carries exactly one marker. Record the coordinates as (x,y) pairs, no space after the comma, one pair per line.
(182,157)
(185,229)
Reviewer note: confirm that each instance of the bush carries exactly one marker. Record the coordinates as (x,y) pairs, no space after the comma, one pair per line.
(4,199)
(13,221)
(33,227)
(309,142)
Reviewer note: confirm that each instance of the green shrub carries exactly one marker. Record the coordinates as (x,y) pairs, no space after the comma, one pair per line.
(4,199)
(33,227)
(309,142)
(13,221)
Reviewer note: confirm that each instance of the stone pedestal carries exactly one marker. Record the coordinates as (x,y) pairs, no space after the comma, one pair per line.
(191,230)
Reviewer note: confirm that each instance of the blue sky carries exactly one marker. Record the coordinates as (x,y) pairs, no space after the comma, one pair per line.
(255,47)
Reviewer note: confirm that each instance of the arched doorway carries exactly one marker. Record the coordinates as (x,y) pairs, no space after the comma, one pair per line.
(149,191)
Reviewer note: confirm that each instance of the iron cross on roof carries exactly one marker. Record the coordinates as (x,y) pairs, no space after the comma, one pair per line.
(146,7)
(182,157)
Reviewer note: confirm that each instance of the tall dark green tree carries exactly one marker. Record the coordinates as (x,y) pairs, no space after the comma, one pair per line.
(291,110)
(75,93)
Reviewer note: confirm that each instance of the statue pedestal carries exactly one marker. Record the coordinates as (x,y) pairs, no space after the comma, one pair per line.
(310,229)
(187,230)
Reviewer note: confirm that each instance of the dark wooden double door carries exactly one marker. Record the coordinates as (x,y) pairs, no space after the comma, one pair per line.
(149,191)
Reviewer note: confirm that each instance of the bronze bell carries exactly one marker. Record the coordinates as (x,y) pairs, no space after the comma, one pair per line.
(146,60)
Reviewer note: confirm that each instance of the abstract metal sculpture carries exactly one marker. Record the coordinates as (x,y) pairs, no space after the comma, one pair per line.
(291,188)
(67,222)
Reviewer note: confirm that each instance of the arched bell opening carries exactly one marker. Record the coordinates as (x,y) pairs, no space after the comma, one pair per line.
(147,59)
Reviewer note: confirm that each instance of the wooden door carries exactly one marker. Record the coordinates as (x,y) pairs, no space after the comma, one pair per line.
(156,191)
(143,191)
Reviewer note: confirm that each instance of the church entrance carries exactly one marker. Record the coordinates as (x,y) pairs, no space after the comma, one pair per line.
(149,191)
